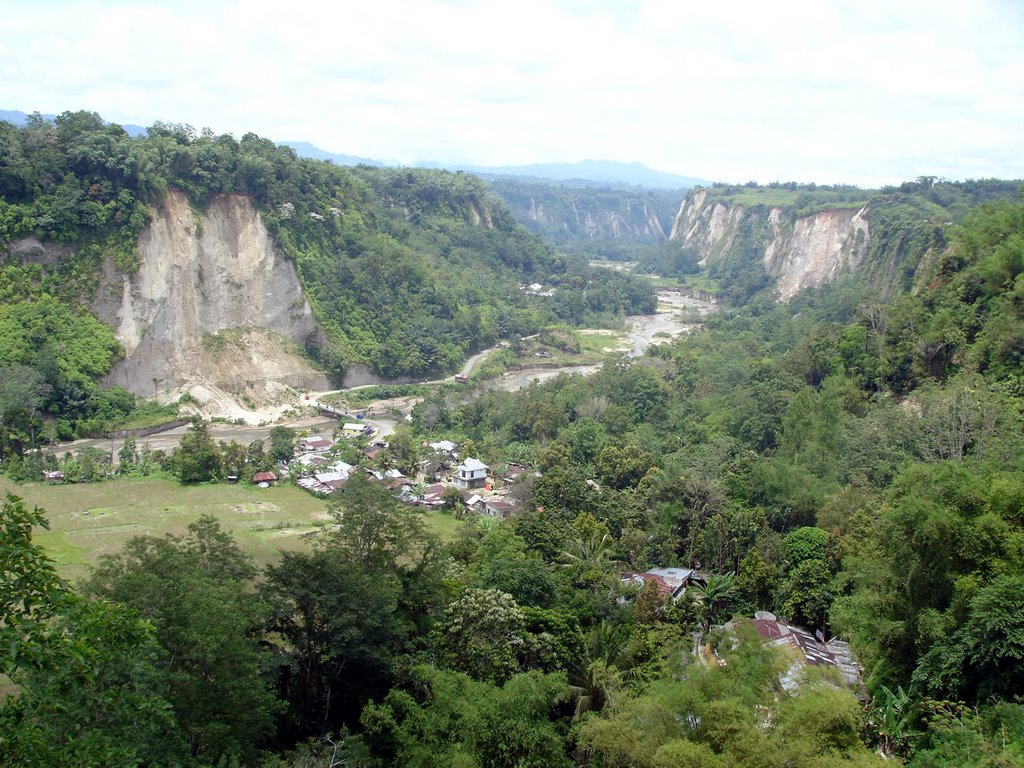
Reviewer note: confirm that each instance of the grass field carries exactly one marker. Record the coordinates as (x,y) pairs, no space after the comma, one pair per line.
(597,344)
(780,197)
(93,519)
(700,282)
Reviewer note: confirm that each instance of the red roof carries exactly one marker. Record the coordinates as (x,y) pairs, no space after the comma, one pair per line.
(663,587)
(264,477)
(317,442)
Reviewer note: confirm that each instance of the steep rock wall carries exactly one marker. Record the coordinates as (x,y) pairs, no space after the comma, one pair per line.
(798,252)
(817,248)
(636,221)
(201,273)
(710,227)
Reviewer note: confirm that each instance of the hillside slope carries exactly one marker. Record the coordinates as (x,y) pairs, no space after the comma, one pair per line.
(173,237)
(799,252)
(786,239)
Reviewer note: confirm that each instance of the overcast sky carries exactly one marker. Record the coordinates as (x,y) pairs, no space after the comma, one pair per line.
(862,91)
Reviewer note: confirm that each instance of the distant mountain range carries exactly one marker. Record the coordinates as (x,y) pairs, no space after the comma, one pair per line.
(305,149)
(604,171)
(585,173)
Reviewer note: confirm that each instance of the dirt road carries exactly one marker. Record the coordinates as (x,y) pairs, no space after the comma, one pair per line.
(676,314)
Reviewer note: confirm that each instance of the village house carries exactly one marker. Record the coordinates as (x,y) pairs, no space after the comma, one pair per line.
(513,472)
(672,582)
(808,650)
(313,485)
(640,579)
(432,496)
(333,479)
(473,502)
(443,446)
(315,444)
(435,469)
(498,507)
(264,479)
(312,460)
(471,473)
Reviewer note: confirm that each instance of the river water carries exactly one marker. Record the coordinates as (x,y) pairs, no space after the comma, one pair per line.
(676,315)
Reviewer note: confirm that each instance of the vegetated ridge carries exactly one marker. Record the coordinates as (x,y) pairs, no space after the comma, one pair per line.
(175,237)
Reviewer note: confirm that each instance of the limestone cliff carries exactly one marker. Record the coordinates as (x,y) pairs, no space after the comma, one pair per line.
(636,221)
(201,273)
(799,252)
(565,212)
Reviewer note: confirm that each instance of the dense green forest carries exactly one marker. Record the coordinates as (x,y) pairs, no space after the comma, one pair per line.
(408,271)
(850,462)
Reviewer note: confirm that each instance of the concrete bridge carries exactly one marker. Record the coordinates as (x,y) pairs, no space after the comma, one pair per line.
(334,413)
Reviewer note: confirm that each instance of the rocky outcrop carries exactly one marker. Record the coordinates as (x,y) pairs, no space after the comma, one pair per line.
(798,252)
(201,273)
(707,226)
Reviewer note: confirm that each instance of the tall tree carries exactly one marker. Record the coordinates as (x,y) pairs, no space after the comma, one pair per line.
(196,459)
(371,529)
(282,443)
(90,690)
(195,591)
(340,628)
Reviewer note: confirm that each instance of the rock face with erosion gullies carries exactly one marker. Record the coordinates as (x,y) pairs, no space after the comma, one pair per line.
(201,274)
(634,222)
(799,252)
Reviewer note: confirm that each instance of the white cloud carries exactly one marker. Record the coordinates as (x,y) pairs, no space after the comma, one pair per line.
(866,92)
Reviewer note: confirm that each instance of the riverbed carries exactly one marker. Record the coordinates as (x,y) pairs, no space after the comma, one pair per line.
(676,315)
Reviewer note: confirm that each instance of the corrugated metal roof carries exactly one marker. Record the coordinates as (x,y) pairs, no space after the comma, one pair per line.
(834,653)
(675,577)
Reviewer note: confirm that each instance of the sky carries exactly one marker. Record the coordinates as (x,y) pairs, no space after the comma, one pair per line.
(866,92)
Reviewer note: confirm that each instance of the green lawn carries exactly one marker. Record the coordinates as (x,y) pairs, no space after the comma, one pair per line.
(92,519)
(777,197)
(444,525)
(700,282)
(600,343)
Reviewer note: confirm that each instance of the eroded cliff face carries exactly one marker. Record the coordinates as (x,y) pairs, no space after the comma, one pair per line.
(707,226)
(816,249)
(798,252)
(637,221)
(201,274)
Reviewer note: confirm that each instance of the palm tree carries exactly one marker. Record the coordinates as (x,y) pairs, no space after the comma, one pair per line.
(714,596)
(610,662)
(594,559)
